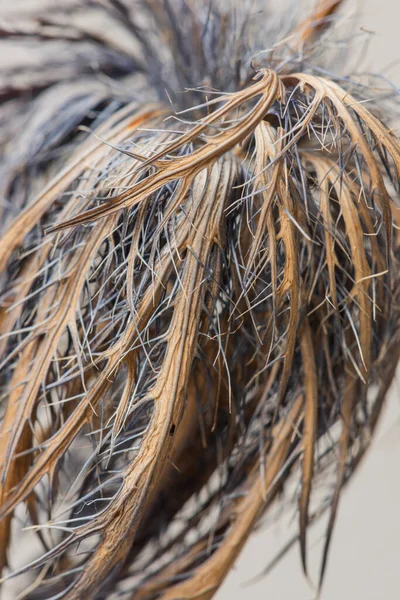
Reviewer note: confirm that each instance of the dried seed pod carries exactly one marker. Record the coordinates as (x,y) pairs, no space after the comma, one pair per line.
(194,304)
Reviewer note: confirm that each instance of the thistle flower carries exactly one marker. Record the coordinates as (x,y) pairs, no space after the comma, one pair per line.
(199,291)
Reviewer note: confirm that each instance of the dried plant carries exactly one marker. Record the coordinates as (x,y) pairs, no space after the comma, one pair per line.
(197,300)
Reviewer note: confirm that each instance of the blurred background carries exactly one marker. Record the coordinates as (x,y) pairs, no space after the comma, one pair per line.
(364,561)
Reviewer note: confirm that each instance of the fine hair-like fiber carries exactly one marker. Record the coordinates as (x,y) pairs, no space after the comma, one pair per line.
(199,287)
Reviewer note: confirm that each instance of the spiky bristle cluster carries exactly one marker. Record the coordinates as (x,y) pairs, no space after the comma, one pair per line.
(194,305)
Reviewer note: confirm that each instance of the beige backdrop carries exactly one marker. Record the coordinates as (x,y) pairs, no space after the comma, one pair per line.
(364,561)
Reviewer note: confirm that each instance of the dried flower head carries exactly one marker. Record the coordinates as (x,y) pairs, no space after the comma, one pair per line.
(199,291)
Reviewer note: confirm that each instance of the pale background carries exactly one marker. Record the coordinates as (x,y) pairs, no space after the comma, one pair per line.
(364,560)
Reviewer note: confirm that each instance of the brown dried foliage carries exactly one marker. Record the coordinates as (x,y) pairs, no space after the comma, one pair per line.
(210,300)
